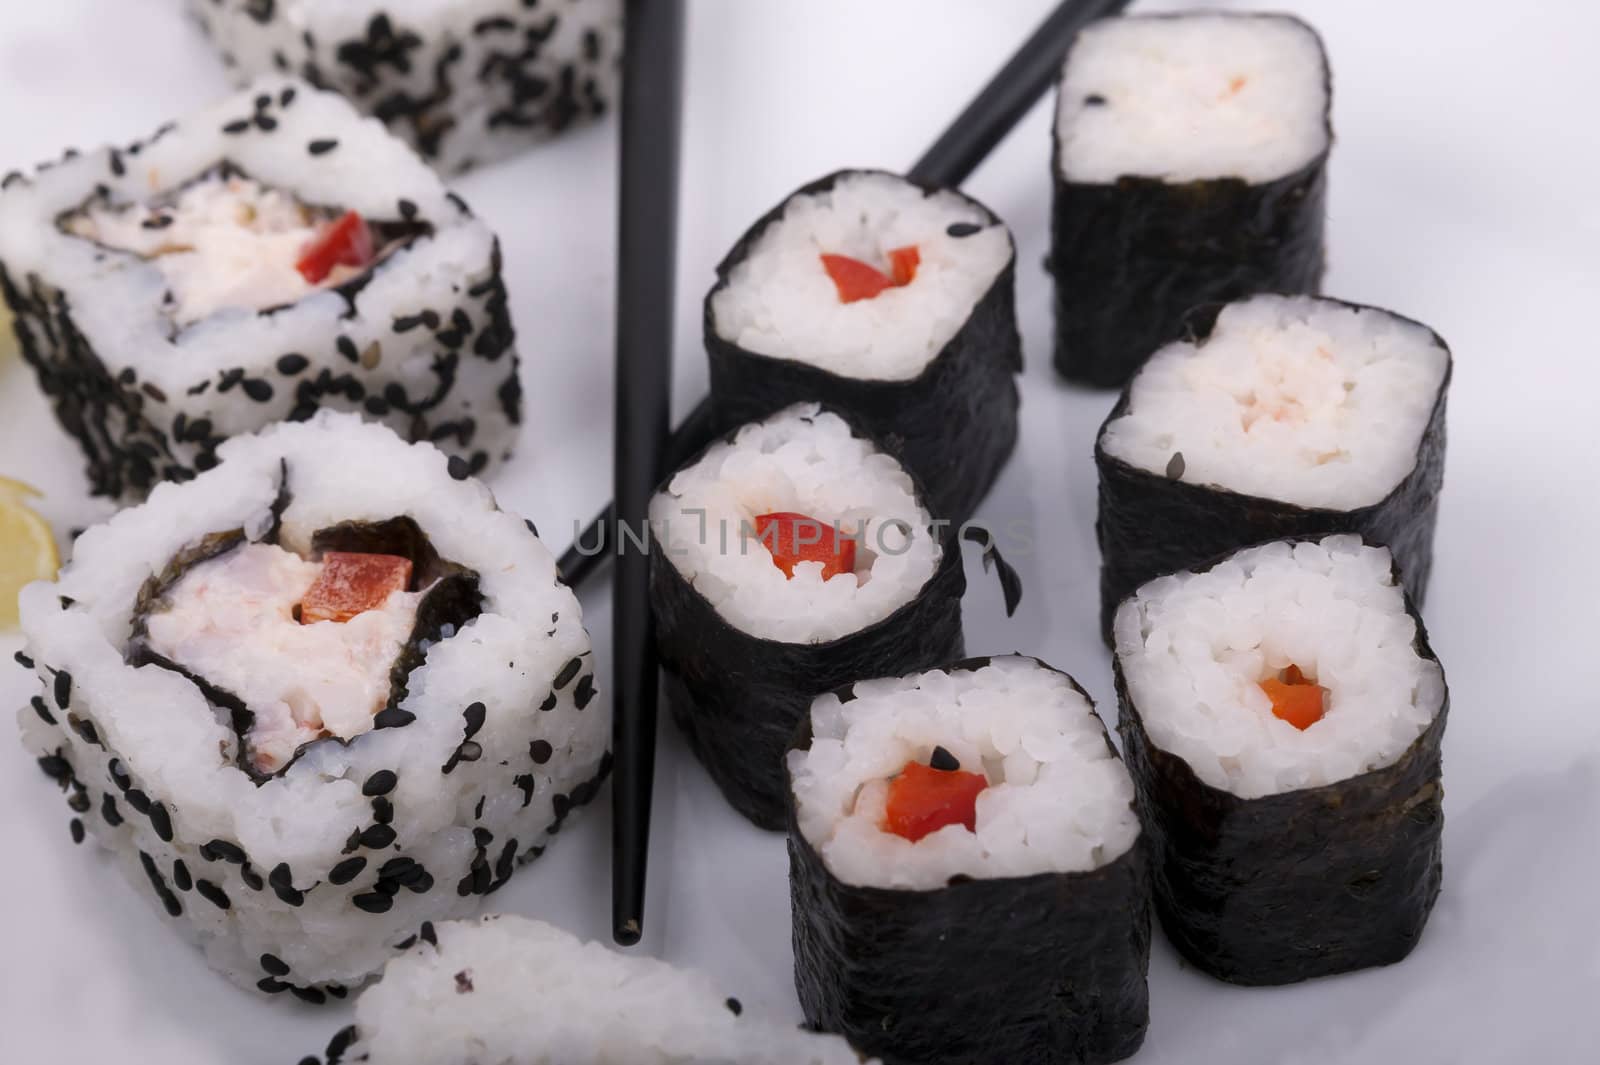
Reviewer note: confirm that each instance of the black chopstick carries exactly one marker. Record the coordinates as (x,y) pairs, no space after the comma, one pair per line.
(647,225)
(952,159)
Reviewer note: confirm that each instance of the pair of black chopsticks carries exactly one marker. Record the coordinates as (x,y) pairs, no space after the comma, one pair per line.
(646,448)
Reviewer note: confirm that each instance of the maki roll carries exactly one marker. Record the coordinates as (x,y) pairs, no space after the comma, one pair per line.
(1190,167)
(789,559)
(1282,715)
(1279,417)
(890,301)
(463,81)
(271,256)
(317,696)
(507,989)
(968,879)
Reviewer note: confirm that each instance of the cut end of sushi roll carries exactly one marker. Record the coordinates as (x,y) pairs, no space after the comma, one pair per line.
(1311,402)
(508,989)
(1192,97)
(1213,660)
(797,530)
(267,257)
(319,695)
(1001,770)
(865,275)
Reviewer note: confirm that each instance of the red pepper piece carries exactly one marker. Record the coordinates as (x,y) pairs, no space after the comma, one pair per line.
(344,242)
(351,583)
(796,538)
(923,800)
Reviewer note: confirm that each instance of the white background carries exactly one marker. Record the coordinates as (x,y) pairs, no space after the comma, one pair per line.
(1462,194)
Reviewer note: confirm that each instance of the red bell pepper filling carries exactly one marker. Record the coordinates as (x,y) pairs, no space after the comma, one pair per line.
(857,280)
(923,800)
(346,241)
(351,583)
(1295,699)
(795,538)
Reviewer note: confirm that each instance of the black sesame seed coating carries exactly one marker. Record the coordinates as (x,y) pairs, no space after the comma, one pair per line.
(944,761)
(76,826)
(273,965)
(347,870)
(380,783)
(161,821)
(377,837)
(213,894)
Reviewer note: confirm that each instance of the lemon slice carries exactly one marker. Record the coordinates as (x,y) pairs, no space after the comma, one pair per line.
(27,547)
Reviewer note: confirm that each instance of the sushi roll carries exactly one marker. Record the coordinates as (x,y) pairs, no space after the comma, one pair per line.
(464,82)
(506,989)
(261,260)
(1282,715)
(968,876)
(1279,417)
(317,696)
(890,301)
(788,559)
(1190,167)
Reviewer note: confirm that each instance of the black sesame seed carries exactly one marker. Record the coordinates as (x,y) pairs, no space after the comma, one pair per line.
(1175,466)
(266,123)
(108,810)
(963,229)
(271,985)
(238,125)
(735,1007)
(428,934)
(458,468)
(347,870)
(76,827)
(372,902)
(42,710)
(943,761)
(79,803)
(1094,99)
(313,995)
(477,811)
(273,965)
(251,878)
(393,717)
(281,876)
(408,210)
(474,714)
(380,783)
(119,776)
(568,671)
(382,810)
(322,146)
(549,703)
(213,894)
(256,389)
(292,363)
(376,837)
(161,821)
(56,768)
(540,751)
(139,801)
(180,875)
(63,689)
(407,943)
(464,982)
(23,660)
(286,97)
(470,751)
(387,888)
(340,1043)
(584,692)
(222,850)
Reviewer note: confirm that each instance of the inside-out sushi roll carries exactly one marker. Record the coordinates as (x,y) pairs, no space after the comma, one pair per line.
(969,882)
(1282,715)
(1190,167)
(317,696)
(464,82)
(268,257)
(789,559)
(891,302)
(1279,417)
(507,989)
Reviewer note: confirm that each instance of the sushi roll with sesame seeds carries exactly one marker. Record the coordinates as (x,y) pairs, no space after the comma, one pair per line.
(465,82)
(1282,714)
(893,303)
(268,257)
(788,559)
(317,696)
(968,876)
(507,989)
(1278,417)
(1190,167)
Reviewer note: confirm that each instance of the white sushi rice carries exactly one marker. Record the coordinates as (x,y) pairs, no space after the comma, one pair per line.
(156,731)
(1058,799)
(1191,97)
(1194,648)
(237,368)
(511,991)
(1298,399)
(801,460)
(779,301)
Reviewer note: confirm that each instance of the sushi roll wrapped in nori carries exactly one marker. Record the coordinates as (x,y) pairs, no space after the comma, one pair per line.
(787,560)
(1190,167)
(465,82)
(268,257)
(317,696)
(893,303)
(1279,417)
(509,990)
(968,876)
(1282,715)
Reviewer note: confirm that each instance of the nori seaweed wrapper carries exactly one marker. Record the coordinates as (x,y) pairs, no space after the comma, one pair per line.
(1131,258)
(953,426)
(1305,883)
(738,698)
(1046,969)
(1150,524)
